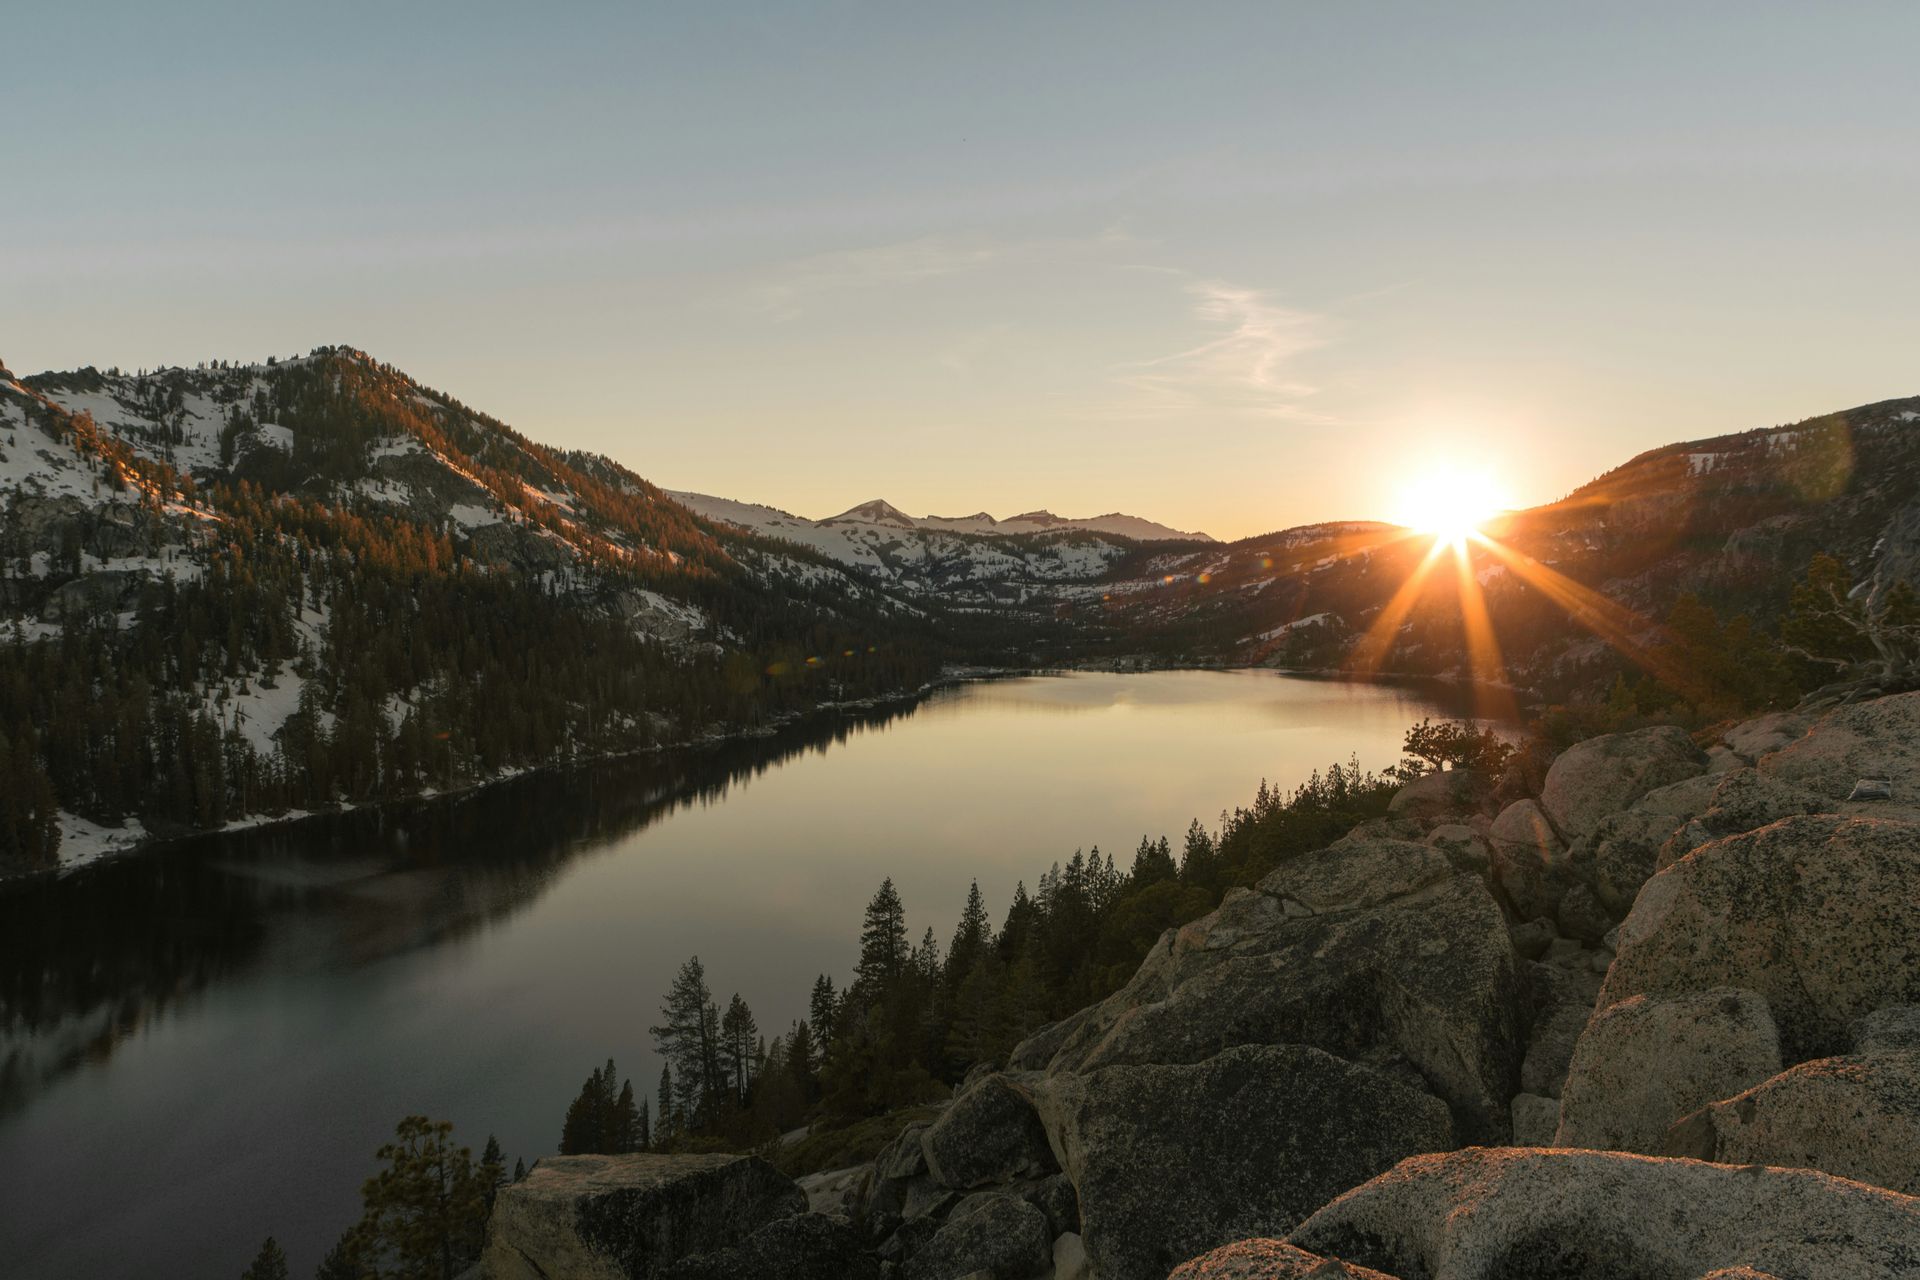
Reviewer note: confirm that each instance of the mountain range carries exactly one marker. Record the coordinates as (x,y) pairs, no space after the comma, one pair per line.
(238,590)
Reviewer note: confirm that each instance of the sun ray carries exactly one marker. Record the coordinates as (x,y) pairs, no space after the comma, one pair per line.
(1373,648)
(1613,622)
(1493,698)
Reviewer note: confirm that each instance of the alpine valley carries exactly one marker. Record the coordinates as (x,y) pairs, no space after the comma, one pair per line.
(237,593)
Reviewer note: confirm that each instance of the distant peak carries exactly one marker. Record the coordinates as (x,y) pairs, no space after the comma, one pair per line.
(876,511)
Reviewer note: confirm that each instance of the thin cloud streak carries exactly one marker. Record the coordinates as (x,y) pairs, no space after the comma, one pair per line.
(913,262)
(1244,368)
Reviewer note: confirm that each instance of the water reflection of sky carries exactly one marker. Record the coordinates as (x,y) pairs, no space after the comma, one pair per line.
(205,1047)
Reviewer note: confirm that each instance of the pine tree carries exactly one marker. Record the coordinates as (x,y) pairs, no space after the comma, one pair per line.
(822,1009)
(737,1036)
(424,1215)
(269,1264)
(342,1261)
(519,1169)
(689,1040)
(625,1129)
(664,1124)
(493,1170)
(883,940)
(971,938)
(646,1128)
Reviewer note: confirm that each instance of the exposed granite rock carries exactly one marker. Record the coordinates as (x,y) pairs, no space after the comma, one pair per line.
(1374,950)
(1877,739)
(1856,1116)
(809,1246)
(1070,1258)
(1532,938)
(1436,797)
(1001,1235)
(1562,1003)
(1173,1160)
(1529,1214)
(1269,1260)
(989,1134)
(626,1217)
(1623,848)
(1645,1062)
(1817,914)
(1528,857)
(836,1190)
(1762,735)
(1535,1119)
(1581,915)
(1605,775)
(1895,1027)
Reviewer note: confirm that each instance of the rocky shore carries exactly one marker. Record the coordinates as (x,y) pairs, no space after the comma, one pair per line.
(1659,1022)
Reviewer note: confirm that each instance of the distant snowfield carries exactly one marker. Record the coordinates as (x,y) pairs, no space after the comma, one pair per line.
(879,513)
(918,553)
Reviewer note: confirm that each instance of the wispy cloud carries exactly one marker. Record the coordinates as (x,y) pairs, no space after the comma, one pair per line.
(911,262)
(1246,364)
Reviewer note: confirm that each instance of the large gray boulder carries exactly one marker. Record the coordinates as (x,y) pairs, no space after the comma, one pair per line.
(1894,1027)
(1604,775)
(1562,1003)
(1436,797)
(1173,1160)
(1623,848)
(1530,1214)
(1817,914)
(626,1217)
(1000,1235)
(1647,1061)
(1375,950)
(1878,739)
(1269,1260)
(1765,734)
(808,1246)
(989,1134)
(1857,1116)
(1742,800)
(1529,858)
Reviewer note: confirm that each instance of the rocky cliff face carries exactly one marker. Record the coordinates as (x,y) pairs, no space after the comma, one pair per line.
(1662,1020)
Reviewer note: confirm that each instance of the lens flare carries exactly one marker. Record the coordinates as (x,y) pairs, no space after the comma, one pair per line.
(1449,504)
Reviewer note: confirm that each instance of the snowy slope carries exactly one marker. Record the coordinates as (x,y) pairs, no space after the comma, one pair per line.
(951,556)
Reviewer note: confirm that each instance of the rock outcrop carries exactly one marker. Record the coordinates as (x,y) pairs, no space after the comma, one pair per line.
(808,1246)
(1720,989)
(627,1217)
(1171,1160)
(1505,1214)
(1374,950)
(1647,1061)
(1817,914)
(1605,775)
(994,1234)
(1877,739)
(1857,1116)
(990,1134)
(1270,1260)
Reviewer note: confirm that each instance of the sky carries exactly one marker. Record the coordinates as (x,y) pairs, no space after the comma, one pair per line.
(1231,267)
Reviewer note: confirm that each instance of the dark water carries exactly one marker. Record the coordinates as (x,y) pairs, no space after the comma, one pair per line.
(204,1046)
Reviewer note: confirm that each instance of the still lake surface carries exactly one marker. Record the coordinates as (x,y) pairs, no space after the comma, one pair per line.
(204,1046)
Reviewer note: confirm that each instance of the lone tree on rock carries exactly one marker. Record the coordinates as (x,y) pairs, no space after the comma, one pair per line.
(1453,744)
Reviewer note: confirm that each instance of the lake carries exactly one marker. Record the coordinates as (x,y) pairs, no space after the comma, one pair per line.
(205,1045)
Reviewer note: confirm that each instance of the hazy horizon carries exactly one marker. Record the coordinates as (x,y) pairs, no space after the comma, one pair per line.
(1234,271)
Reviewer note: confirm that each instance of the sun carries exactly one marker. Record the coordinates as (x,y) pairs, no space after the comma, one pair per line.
(1449,503)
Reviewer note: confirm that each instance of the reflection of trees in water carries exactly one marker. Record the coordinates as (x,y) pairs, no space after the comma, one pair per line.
(88,959)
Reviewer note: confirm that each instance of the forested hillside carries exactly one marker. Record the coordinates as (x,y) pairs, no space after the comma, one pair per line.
(260,589)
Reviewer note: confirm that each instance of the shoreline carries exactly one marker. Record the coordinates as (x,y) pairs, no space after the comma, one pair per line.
(107,844)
